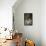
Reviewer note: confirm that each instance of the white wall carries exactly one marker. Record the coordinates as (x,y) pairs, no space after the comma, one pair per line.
(43,22)
(31,32)
(6,13)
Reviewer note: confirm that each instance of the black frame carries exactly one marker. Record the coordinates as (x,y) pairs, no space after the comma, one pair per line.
(28,19)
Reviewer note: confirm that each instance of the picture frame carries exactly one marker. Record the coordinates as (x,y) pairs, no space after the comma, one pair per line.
(28,19)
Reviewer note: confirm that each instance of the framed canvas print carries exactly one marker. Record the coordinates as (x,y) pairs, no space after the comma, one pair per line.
(28,19)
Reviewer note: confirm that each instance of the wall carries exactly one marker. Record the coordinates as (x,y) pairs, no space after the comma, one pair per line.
(43,22)
(6,13)
(30,32)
